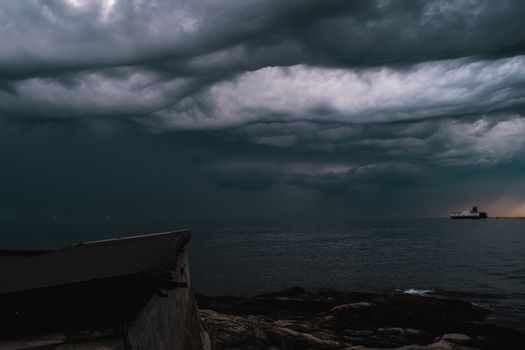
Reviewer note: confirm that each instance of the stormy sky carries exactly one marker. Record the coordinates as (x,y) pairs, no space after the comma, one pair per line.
(252,108)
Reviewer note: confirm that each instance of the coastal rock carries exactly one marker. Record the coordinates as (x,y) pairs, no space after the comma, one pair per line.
(452,341)
(325,319)
(350,307)
(305,340)
(460,339)
(231,331)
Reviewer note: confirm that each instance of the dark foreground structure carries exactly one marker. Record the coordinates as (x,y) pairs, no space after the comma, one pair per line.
(127,293)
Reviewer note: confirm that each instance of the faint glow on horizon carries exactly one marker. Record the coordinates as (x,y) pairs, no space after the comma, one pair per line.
(506,207)
(518,210)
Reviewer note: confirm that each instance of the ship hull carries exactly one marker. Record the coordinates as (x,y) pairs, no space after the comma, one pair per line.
(469,217)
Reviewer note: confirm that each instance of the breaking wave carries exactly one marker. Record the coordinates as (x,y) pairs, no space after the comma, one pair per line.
(418,291)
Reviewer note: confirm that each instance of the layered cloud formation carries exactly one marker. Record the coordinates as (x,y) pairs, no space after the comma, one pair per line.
(353,95)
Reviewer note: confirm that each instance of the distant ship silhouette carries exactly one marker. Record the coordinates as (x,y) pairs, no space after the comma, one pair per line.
(469,214)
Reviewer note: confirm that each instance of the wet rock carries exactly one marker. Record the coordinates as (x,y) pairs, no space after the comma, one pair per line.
(350,307)
(298,326)
(305,340)
(453,341)
(460,339)
(324,319)
(233,331)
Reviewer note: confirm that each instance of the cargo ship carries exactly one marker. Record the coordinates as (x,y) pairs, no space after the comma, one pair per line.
(469,214)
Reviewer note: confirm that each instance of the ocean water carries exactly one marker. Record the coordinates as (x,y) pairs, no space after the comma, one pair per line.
(480,261)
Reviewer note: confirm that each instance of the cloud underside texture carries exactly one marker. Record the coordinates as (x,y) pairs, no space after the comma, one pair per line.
(356,95)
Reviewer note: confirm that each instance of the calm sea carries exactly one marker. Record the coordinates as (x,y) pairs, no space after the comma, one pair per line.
(480,261)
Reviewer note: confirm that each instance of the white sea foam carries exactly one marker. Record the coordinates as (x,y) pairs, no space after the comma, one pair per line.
(417,291)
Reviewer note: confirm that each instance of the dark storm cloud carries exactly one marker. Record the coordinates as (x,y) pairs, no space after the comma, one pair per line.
(48,36)
(339,181)
(164,61)
(337,98)
(468,140)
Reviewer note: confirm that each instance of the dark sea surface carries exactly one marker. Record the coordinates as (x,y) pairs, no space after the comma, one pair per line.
(480,261)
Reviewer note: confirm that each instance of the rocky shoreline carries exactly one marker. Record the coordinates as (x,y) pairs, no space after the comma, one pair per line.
(298,318)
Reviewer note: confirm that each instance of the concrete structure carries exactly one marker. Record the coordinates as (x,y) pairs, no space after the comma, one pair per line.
(126,293)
